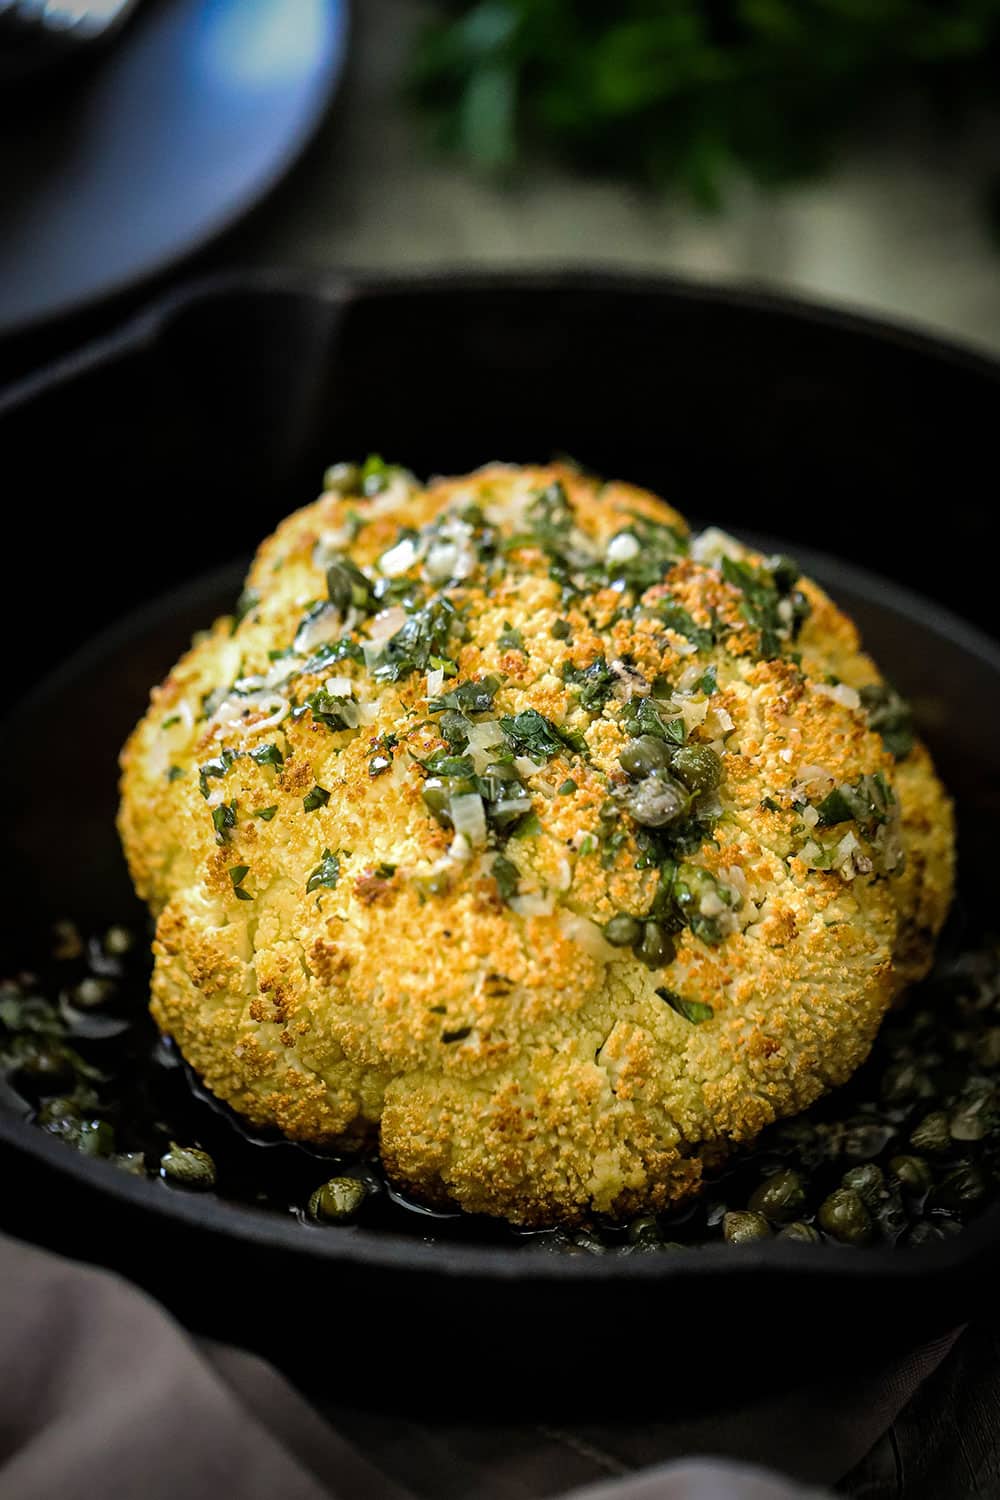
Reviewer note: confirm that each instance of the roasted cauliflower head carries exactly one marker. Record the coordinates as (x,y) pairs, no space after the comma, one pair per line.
(510,827)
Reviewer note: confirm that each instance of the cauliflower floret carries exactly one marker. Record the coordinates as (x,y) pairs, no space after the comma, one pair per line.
(410,889)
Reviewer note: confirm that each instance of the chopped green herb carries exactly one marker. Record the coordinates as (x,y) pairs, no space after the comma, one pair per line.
(334,712)
(528,828)
(770,603)
(709,682)
(268,755)
(589,844)
(659,548)
(531,733)
(475,697)
(168,723)
(419,643)
(333,651)
(347,586)
(642,716)
(238,873)
(318,797)
(890,716)
(174,773)
(769,805)
(212,769)
(595,683)
(562,630)
(456,1036)
(510,639)
(266,813)
(326,873)
(675,617)
(867,802)
(379,764)
(377,475)
(694,1011)
(507,876)
(223,819)
(568,787)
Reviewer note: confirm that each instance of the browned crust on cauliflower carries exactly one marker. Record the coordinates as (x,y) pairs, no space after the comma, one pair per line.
(506,1058)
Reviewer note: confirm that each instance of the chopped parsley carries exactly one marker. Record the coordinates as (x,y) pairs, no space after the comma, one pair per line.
(659,548)
(212,769)
(869,802)
(890,716)
(509,638)
(561,630)
(237,874)
(174,773)
(568,787)
(594,683)
(268,755)
(326,708)
(168,723)
(708,682)
(642,716)
(531,733)
(458,1035)
(267,813)
(770,604)
(223,820)
(475,697)
(348,588)
(318,797)
(675,617)
(421,641)
(333,651)
(326,873)
(694,1011)
(507,876)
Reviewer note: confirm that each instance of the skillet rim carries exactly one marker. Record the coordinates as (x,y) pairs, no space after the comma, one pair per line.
(932,1264)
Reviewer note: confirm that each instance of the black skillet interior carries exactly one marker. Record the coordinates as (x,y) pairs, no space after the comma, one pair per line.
(183,440)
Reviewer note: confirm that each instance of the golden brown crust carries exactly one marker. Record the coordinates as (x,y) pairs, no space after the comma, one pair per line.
(508,1059)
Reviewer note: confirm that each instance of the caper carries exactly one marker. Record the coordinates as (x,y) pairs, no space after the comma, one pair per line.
(585,1239)
(962,1187)
(92,991)
(902,1082)
(933,1133)
(779,1198)
(338,1200)
(656,801)
(60,1117)
(643,756)
(95,1138)
(863,1139)
(798,1230)
(117,941)
(645,1231)
(868,1181)
(698,767)
(912,1171)
(844,1216)
(742,1228)
(343,479)
(924,1233)
(187,1166)
(971,1123)
(655,948)
(622,931)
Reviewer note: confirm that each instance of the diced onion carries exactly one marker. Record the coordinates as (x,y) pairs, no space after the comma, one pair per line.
(713,544)
(398,559)
(839,692)
(588,935)
(468,817)
(525,766)
(435,682)
(623,547)
(534,904)
(385,625)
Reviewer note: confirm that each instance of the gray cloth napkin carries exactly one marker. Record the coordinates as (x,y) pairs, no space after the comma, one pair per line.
(102,1393)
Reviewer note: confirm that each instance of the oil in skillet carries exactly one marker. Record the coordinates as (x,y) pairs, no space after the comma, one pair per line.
(906,1152)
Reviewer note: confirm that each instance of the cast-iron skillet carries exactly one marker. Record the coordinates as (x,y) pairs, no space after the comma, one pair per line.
(184,438)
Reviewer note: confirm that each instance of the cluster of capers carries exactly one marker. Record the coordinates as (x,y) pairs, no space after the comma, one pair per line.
(666,778)
(650,941)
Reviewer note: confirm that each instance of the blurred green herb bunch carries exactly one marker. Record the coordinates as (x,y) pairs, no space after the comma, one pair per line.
(692,93)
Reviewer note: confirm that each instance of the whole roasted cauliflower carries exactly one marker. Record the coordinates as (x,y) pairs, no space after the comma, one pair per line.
(511,827)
